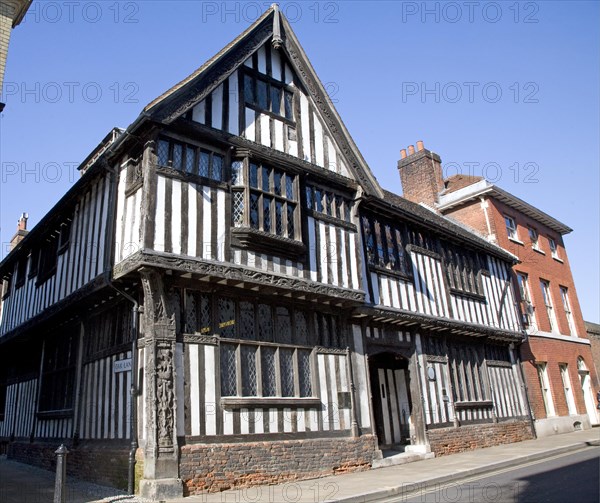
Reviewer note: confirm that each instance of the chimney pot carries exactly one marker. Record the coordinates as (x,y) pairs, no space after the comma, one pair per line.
(403,153)
(420,145)
(411,149)
(22,224)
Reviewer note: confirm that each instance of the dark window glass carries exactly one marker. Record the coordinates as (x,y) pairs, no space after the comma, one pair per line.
(275,100)
(249,89)
(261,94)
(289,107)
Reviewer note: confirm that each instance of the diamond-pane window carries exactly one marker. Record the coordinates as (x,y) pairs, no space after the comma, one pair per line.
(318,201)
(226,317)
(289,187)
(265,323)
(266,179)
(205,314)
(246,320)
(248,361)
(269,379)
(289,105)
(190,154)
(301,328)
(238,209)
(177,155)
(254,211)
(267,214)
(279,218)
(329,203)
(304,373)
(287,372)
(277,183)
(228,370)
(284,326)
(204,164)
(217,168)
(190,313)
(290,219)
(163,152)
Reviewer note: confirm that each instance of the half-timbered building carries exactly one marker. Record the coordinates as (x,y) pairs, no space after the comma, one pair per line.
(229,297)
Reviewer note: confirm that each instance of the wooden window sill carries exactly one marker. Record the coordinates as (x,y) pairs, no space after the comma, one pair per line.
(264,242)
(515,240)
(55,414)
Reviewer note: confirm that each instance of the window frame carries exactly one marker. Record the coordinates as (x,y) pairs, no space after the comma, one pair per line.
(564,295)
(553,248)
(56,400)
(285,91)
(545,388)
(548,303)
(568,388)
(378,248)
(511,228)
(534,238)
(524,291)
(246,232)
(196,151)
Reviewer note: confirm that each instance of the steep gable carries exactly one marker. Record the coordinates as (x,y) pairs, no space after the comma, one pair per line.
(263,88)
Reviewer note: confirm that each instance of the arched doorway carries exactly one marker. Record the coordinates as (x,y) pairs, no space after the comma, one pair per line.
(392,406)
(586,386)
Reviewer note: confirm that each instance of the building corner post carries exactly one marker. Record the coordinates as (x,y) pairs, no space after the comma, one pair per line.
(161,453)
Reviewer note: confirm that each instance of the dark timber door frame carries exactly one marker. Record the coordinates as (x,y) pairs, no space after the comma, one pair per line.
(391,398)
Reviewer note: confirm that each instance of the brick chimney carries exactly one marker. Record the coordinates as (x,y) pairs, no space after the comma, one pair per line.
(21,231)
(420,174)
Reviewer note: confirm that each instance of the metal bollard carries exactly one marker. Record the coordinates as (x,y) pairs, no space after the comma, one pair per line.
(60,492)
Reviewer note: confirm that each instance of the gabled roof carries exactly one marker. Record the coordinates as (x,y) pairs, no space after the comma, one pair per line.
(183,96)
(456,182)
(464,192)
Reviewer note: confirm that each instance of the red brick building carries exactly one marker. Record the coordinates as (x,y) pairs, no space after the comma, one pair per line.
(557,356)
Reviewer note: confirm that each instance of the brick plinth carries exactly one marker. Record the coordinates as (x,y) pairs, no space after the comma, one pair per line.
(218,467)
(100,463)
(445,441)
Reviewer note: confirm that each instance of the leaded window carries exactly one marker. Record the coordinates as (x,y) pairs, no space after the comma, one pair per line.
(385,244)
(197,313)
(268,203)
(58,372)
(271,96)
(284,371)
(328,203)
(191,159)
(463,269)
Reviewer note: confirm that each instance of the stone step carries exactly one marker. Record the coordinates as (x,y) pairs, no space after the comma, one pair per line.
(401,458)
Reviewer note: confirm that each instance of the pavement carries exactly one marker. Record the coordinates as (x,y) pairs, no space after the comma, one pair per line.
(21,483)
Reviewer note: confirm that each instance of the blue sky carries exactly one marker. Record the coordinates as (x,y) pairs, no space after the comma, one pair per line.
(506,89)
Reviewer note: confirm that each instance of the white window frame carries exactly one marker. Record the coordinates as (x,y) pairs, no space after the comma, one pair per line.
(564,294)
(566,379)
(547,296)
(553,248)
(511,228)
(534,237)
(542,370)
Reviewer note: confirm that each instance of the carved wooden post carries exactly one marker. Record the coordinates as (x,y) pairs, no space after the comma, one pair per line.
(161,458)
(416,392)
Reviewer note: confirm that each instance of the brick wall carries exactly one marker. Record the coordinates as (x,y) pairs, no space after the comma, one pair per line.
(540,349)
(593,332)
(219,467)
(472,214)
(100,463)
(445,441)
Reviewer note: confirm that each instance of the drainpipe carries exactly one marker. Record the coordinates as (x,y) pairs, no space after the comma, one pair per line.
(133,391)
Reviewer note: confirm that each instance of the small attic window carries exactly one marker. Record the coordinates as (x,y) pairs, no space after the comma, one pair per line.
(268,95)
